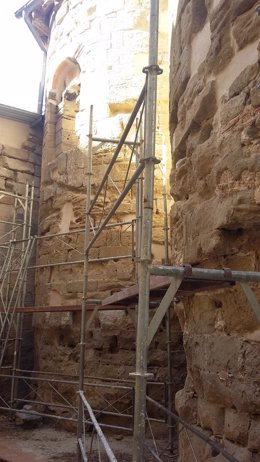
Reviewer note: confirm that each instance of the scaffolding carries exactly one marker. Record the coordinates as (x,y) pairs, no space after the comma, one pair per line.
(157,287)
(15,256)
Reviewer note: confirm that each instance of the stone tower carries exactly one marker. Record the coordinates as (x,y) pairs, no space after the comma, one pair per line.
(96,54)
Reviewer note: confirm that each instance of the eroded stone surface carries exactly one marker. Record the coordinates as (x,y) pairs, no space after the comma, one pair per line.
(215,183)
(96,55)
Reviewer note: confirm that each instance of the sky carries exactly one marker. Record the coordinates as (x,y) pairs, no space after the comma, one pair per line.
(21,58)
(173,6)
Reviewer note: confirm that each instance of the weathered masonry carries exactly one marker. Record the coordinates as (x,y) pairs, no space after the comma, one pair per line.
(215,129)
(129,327)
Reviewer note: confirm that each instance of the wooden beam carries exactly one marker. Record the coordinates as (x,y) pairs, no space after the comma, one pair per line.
(63,308)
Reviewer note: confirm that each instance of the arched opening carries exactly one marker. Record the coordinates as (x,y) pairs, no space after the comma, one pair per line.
(67,73)
(65,133)
(61,110)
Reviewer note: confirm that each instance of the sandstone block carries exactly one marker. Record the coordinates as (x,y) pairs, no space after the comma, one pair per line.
(59,320)
(243,79)
(190,444)
(236,426)
(233,108)
(211,416)
(203,108)
(6,173)
(186,26)
(22,177)
(186,406)
(249,23)
(221,49)
(182,74)
(241,6)
(240,453)
(255,96)
(15,153)
(61,163)
(254,435)
(74,286)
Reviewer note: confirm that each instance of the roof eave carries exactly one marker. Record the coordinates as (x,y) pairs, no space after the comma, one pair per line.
(20,115)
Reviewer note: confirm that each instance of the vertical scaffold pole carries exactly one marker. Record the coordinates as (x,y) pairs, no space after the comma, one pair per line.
(26,233)
(85,280)
(139,198)
(168,319)
(146,240)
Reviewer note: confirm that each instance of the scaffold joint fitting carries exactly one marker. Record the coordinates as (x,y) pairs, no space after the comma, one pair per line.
(153,67)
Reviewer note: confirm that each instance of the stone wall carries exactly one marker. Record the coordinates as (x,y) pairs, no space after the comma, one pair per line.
(96,55)
(215,130)
(20,155)
(20,164)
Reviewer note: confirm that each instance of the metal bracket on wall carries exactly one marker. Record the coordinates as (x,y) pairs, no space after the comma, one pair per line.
(251,299)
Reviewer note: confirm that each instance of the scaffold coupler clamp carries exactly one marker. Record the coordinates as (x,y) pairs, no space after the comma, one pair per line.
(153,67)
(154,159)
(187,271)
(227,273)
(147,375)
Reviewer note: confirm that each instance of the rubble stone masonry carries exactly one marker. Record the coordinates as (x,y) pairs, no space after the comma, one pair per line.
(215,182)
(96,54)
(20,164)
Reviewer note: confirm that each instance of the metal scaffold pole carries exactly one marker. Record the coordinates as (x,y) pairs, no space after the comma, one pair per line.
(26,233)
(85,283)
(144,277)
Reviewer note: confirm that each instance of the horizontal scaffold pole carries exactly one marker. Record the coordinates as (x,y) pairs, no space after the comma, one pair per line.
(117,203)
(224,274)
